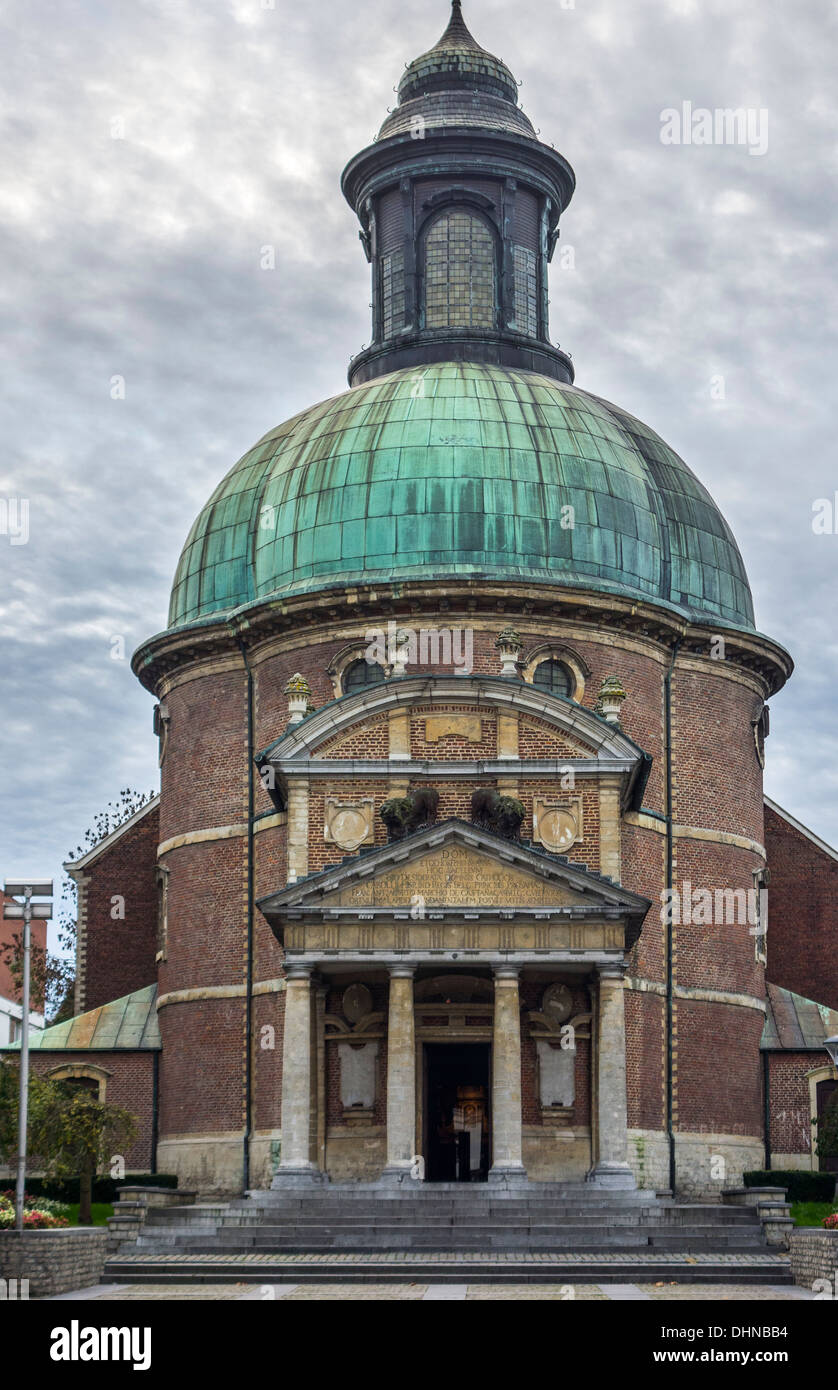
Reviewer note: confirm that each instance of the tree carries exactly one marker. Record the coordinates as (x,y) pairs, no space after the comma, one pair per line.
(71,1133)
(51,976)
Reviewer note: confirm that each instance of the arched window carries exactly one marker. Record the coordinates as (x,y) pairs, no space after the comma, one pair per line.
(460,278)
(84,1077)
(553,676)
(361,674)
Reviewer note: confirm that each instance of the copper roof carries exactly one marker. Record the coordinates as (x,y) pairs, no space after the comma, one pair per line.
(792,1022)
(125,1025)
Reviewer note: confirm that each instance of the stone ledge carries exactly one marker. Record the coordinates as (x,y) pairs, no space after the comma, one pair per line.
(814,1256)
(56,1261)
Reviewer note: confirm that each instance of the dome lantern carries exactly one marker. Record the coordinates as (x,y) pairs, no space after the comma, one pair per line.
(459,205)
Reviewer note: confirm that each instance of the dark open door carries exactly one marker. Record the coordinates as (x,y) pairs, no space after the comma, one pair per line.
(827,1096)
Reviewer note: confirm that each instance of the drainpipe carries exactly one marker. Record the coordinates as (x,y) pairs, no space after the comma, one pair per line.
(248,1065)
(670,1093)
(766,1114)
(155,1109)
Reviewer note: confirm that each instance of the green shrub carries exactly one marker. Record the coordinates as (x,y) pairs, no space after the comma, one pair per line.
(105,1189)
(800,1186)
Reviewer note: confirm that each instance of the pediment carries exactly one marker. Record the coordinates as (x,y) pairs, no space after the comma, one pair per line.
(456,875)
(456,866)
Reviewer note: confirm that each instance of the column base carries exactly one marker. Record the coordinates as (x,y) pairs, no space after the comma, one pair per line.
(396,1175)
(507,1176)
(618,1177)
(302,1176)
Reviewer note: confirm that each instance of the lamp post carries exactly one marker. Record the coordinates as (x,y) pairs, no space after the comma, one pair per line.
(831,1045)
(26,911)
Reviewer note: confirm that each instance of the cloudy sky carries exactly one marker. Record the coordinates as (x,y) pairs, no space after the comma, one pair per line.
(152,150)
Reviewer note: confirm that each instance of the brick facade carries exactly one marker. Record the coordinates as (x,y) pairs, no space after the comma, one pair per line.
(125,1079)
(117,924)
(803,951)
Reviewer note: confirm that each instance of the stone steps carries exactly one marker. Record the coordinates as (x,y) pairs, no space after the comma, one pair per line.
(485,1221)
(451,1267)
(455,1240)
(361,1233)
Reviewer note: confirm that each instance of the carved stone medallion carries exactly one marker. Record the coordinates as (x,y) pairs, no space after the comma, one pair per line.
(348,824)
(556,826)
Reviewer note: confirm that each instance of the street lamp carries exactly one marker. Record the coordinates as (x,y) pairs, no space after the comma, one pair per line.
(26,911)
(831,1045)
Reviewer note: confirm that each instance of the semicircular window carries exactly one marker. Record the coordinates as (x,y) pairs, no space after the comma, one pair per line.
(553,676)
(460,289)
(361,674)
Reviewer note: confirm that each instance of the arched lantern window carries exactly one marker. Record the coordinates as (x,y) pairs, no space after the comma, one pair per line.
(460,272)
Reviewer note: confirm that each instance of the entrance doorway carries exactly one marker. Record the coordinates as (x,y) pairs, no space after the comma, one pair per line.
(456,1109)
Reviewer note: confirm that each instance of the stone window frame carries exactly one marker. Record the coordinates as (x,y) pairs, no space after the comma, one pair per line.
(162,880)
(82,1071)
(760,929)
(578,669)
(826,1072)
(339,665)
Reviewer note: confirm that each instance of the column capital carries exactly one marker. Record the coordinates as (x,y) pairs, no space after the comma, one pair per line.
(506,973)
(612,970)
(297,974)
(401,972)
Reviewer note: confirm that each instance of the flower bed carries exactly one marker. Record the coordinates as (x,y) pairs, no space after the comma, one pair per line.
(39,1214)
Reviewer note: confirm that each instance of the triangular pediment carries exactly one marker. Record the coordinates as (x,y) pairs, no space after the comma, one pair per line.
(456,866)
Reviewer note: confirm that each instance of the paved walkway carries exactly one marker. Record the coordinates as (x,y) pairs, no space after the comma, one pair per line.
(344,1292)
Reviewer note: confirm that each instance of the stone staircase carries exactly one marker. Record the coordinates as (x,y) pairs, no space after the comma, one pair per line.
(544,1233)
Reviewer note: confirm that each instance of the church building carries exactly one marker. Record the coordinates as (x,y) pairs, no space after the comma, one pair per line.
(461,868)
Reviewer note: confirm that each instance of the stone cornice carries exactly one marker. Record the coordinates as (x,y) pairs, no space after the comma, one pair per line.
(454,151)
(579,611)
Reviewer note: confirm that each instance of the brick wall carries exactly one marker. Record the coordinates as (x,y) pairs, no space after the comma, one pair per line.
(119,954)
(129,1082)
(803,913)
(717,787)
(791,1120)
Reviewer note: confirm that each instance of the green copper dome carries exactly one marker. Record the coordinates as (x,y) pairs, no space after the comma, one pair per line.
(458,470)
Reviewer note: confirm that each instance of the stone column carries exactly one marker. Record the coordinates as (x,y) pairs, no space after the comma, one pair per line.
(295,1165)
(507,1160)
(401,1077)
(611,1168)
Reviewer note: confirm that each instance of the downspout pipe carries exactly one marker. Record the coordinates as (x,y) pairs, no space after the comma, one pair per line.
(248,1005)
(670,972)
(766,1113)
(155,1110)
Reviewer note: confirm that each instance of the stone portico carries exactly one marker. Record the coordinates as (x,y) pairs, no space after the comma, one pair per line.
(451,926)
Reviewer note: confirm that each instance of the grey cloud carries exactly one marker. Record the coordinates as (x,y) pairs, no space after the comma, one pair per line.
(140,257)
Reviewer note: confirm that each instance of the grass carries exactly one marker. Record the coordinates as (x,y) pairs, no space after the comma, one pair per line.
(811,1213)
(99,1213)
